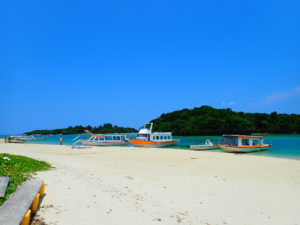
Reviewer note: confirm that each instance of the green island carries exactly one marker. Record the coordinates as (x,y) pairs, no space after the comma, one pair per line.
(206,120)
(102,129)
(19,169)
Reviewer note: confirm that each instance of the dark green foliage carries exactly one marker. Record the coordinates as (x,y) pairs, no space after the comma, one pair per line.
(206,120)
(105,128)
(19,169)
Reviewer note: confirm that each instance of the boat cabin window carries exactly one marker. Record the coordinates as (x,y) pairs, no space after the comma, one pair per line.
(255,142)
(228,140)
(108,138)
(142,135)
(235,141)
(245,142)
(116,138)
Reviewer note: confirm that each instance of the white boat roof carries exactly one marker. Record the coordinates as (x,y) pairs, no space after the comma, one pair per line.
(242,136)
(144,131)
(148,130)
(105,135)
(162,133)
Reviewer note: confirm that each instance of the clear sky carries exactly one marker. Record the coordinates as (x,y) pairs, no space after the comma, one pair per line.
(66,63)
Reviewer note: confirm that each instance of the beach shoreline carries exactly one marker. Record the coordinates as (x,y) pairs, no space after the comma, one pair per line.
(115,185)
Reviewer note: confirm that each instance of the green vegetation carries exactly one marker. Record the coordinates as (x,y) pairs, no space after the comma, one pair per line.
(19,169)
(206,120)
(104,129)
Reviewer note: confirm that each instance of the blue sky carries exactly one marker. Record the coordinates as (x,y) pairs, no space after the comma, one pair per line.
(86,62)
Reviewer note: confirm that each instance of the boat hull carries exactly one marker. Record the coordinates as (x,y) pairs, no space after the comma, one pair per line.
(204,147)
(152,144)
(16,141)
(245,149)
(104,143)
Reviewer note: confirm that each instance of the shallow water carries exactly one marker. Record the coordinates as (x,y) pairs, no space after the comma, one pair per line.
(284,146)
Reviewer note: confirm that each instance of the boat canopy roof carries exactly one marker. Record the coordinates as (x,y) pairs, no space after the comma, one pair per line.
(162,133)
(105,135)
(144,131)
(243,136)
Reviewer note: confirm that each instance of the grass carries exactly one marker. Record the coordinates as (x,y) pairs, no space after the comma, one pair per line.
(19,169)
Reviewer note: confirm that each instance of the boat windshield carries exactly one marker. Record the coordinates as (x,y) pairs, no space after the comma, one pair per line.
(92,139)
(228,140)
(143,137)
(255,142)
(95,138)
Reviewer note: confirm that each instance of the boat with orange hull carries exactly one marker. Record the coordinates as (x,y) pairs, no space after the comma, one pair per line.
(147,138)
(244,143)
(154,144)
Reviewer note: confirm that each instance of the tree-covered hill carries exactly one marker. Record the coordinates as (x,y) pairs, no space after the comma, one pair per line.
(206,120)
(105,128)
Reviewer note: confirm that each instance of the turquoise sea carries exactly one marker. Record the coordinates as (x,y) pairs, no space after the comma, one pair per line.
(284,146)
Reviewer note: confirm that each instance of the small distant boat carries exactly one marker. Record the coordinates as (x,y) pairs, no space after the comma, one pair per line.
(147,138)
(19,139)
(207,146)
(244,143)
(105,140)
(14,139)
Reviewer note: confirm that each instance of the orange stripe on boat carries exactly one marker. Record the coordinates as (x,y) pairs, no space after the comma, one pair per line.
(141,142)
(247,137)
(255,146)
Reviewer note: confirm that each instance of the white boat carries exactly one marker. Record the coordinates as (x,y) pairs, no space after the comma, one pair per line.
(18,139)
(207,146)
(244,143)
(24,138)
(105,140)
(147,138)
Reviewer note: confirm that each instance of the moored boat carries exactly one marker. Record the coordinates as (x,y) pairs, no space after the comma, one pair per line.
(15,139)
(105,140)
(23,138)
(244,143)
(207,146)
(147,138)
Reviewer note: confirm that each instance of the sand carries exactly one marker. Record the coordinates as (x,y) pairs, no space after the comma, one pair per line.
(137,186)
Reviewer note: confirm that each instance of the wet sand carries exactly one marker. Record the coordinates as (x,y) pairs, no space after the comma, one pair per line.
(134,186)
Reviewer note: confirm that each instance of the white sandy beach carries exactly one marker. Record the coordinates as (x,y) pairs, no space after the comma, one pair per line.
(136,186)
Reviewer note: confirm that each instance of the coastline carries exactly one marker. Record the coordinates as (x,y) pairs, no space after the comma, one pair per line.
(278,150)
(130,185)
